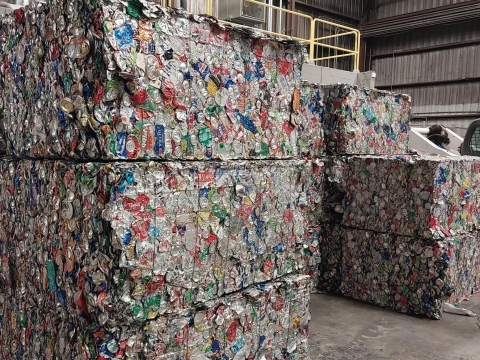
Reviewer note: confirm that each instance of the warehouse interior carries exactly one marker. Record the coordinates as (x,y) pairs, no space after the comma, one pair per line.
(414,61)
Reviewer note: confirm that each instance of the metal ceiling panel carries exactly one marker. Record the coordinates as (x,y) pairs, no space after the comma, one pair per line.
(388,8)
(431,36)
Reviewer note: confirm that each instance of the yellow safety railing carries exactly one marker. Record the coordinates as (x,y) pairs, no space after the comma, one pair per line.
(312,41)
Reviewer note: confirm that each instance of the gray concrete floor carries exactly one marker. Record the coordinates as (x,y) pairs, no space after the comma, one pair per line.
(344,329)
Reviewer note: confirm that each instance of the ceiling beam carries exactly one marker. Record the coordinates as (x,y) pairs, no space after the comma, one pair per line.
(429,83)
(448,14)
(453,45)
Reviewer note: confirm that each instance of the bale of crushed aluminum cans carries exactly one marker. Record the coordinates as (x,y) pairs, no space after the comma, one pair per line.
(89,251)
(138,81)
(463,266)
(310,115)
(405,274)
(408,275)
(268,321)
(214,228)
(412,196)
(56,258)
(395,210)
(366,121)
(154,260)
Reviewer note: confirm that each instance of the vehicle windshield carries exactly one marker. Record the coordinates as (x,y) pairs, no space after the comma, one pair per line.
(475,140)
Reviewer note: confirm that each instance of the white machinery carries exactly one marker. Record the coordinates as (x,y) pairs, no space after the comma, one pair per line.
(439,140)
(419,141)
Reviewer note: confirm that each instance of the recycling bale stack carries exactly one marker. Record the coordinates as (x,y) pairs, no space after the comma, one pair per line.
(440,202)
(199,255)
(400,230)
(362,121)
(91,256)
(356,121)
(407,234)
(149,83)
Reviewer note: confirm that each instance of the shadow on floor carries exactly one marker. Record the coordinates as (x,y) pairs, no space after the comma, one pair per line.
(343,329)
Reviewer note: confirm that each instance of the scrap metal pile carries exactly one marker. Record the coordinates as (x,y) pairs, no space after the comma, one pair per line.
(406,235)
(366,121)
(160,257)
(206,243)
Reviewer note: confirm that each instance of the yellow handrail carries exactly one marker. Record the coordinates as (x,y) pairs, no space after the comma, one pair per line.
(331,57)
(334,36)
(350,31)
(313,41)
(210,7)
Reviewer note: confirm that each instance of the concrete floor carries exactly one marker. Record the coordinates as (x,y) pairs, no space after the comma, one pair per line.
(344,329)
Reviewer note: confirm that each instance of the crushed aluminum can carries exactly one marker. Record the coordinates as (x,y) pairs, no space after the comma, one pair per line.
(407,274)
(93,247)
(366,121)
(185,73)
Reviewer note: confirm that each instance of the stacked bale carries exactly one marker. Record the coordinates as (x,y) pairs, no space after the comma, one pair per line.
(194,248)
(402,229)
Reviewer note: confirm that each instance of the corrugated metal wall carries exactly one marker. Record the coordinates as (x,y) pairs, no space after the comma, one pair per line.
(444,100)
(387,8)
(442,65)
(430,36)
(347,8)
(456,97)
(439,66)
